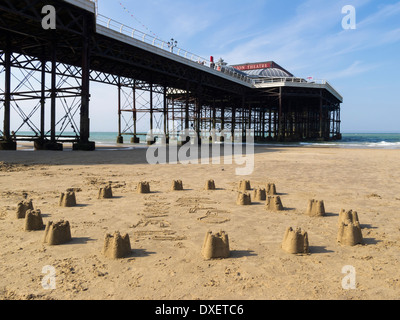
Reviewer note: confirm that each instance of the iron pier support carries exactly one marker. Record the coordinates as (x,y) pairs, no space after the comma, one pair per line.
(84,144)
(8,143)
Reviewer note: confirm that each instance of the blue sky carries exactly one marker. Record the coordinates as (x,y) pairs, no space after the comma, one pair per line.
(305,37)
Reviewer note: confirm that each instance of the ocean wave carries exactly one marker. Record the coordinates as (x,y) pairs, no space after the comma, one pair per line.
(384,144)
(364,144)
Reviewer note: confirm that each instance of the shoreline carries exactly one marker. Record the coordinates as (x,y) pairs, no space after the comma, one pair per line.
(382,145)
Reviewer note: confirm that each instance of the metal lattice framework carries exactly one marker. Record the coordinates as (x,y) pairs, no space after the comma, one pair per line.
(46,74)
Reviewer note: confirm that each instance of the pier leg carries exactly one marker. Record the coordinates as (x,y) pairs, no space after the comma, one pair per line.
(280,118)
(135,138)
(222,138)
(198,126)
(39,142)
(44,144)
(152,141)
(214,121)
(7,143)
(321,134)
(270,124)
(165,111)
(248,124)
(84,144)
(53,95)
(244,119)
(186,115)
(233,126)
(263,124)
(120,138)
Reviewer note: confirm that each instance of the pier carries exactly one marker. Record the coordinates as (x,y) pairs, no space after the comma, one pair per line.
(46,77)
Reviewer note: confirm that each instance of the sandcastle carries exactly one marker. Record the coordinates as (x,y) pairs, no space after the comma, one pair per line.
(177,185)
(23,207)
(243,199)
(33,220)
(351,215)
(143,187)
(271,189)
(116,246)
(244,185)
(67,199)
(260,194)
(295,241)
(315,208)
(216,246)
(349,233)
(274,203)
(210,185)
(105,193)
(57,233)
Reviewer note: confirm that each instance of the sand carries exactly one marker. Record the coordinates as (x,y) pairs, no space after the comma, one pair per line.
(166,228)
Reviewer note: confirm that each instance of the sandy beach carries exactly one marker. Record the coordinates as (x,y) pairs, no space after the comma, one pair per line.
(167,228)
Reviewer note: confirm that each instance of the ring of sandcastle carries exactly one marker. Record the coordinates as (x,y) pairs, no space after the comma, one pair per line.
(68,199)
(315,208)
(349,233)
(260,194)
(244,185)
(210,185)
(271,189)
(295,241)
(243,199)
(33,220)
(57,233)
(215,246)
(274,203)
(23,207)
(105,192)
(116,246)
(143,187)
(177,185)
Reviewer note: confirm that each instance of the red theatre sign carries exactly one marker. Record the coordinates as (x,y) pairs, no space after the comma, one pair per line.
(253,66)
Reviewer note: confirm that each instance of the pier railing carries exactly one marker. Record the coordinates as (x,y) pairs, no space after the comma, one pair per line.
(291,79)
(146,38)
(325,83)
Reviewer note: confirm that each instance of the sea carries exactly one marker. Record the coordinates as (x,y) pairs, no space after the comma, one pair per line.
(363,141)
(349,140)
